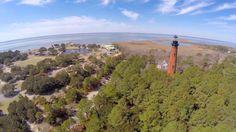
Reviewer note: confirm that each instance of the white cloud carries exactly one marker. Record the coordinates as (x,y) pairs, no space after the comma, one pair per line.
(35,2)
(226,6)
(180,7)
(66,25)
(194,8)
(230,18)
(167,6)
(188,2)
(107,2)
(80,1)
(130,14)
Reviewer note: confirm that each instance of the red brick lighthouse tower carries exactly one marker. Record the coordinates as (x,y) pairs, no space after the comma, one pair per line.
(173,57)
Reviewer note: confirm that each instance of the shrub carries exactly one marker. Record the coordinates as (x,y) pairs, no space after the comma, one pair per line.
(40,85)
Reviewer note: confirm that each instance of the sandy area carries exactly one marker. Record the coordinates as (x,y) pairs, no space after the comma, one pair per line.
(91,95)
(6,69)
(54,72)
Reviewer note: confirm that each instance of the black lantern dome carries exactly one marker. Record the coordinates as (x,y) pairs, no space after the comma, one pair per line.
(175,41)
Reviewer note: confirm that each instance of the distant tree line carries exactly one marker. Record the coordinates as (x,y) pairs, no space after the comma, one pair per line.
(11,56)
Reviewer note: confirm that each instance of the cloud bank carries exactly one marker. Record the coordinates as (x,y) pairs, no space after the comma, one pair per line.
(65,25)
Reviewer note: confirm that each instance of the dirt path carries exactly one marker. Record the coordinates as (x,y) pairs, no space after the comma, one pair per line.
(92,94)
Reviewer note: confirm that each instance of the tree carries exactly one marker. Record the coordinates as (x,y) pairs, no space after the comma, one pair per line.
(11,56)
(52,51)
(62,48)
(72,95)
(139,97)
(40,85)
(24,109)
(77,75)
(6,77)
(56,116)
(95,61)
(12,123)
(65,60)
(90,69)
(65,126)
(39,117)
(63,78)
(76,81)
(46,65)
(8,90)
(90,83)
(83,110)
(31,70)
(42,50)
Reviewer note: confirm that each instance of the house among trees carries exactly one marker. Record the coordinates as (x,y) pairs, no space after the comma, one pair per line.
(162,65)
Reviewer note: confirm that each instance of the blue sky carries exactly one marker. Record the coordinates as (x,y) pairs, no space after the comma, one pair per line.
(214,19)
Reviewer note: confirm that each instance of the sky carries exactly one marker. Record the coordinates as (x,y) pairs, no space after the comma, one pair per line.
(213,19)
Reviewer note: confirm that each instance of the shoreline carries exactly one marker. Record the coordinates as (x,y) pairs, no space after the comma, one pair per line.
(46,41)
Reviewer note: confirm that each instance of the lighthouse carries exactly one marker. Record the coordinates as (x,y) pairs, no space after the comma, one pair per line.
(173,57)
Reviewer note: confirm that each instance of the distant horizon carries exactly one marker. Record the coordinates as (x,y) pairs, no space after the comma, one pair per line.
(25,44)
(41,36)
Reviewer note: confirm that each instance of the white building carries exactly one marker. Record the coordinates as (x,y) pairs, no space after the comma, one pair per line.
(109,47)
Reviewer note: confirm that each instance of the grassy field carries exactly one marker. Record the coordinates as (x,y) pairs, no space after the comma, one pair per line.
(32,60)
(4,104)
(161,51)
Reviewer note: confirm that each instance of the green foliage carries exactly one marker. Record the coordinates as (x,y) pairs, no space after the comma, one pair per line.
(94,124)
(77,75)
(109,66)
(141,98)
(24,109)
(62,48)
(46,65)
(10,56)
(64,60)
(8,90)
(56,112)
(90,69)
(52,51)
(65,126)
(95,61)
(90,83)
(83,109)
(31,70)
(12,123)
(63,78)
(6,77)
(42,50)
(39,100)
(72,95)
(40,85)
(56,116)
(18,73)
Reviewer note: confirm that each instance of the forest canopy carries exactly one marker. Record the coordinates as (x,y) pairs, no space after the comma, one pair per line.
(139,97)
